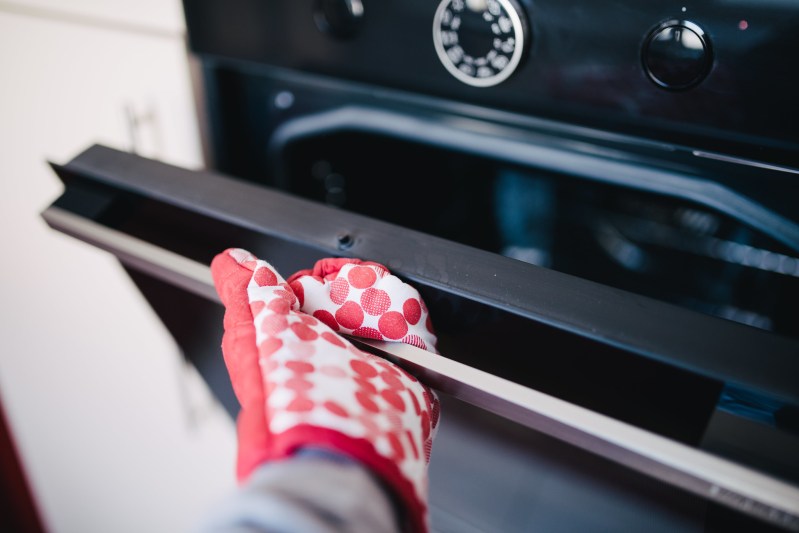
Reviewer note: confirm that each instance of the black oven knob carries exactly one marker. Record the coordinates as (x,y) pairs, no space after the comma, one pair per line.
(677,55)
(480,42)
(340,18)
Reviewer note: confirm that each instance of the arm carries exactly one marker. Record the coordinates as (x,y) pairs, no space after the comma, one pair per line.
(305,493)
(302,386)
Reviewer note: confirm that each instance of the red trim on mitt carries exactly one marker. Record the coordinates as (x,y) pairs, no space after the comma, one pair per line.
(330,267)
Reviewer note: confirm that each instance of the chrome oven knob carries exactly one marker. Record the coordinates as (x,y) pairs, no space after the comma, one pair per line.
(480,42)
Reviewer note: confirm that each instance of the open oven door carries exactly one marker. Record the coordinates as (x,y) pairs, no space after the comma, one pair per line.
(551,383)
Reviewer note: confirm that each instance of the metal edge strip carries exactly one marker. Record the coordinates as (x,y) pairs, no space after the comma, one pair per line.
(698,472)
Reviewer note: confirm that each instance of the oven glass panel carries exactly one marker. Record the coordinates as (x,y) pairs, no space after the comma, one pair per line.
(660,247)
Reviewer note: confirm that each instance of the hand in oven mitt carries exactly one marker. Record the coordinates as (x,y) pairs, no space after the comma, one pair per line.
(301,385)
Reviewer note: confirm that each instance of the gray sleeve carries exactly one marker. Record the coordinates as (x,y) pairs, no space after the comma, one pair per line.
(311,492)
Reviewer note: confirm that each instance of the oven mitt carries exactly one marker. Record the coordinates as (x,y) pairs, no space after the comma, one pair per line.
(301,385)
(363,299)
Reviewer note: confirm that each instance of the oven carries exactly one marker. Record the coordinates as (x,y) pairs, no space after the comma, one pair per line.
(597,200)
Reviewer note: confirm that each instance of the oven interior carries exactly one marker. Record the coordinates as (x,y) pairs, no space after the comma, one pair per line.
(668,249)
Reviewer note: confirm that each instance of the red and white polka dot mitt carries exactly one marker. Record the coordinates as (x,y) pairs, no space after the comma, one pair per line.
(363,299)
(300,384)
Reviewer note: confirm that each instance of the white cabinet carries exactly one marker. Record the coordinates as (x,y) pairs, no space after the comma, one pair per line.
(95,389)
(153,16)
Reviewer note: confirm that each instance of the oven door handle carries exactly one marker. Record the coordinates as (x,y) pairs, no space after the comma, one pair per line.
(711,477)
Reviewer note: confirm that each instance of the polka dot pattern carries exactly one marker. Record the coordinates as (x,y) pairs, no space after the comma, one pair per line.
(425,425)
(269,346)
(396,447)
(393,399)
(279,306)
(333,339)
(435,412)
(368,333)
(339,290)
(412,443)
(395,423)
(349,316)
(274,324)
(308,320)
(366,386)
(392,380)
(366,402)
(366,300)
(362,277)
(300,349)
(300,367)
(314,377)
(336,409)
(415,402)
(327,318)
(300,404)
(299,384)
(375,301)
(412,310)
(363,369)
(299,291)
(415,340)
(264,277)
(393,325)
(304,332)
(256,307)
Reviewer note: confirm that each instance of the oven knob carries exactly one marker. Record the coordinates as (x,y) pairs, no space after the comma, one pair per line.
(340,18)
(480,42)
(677,55)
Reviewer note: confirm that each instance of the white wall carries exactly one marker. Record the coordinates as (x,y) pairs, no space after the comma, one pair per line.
(98,398)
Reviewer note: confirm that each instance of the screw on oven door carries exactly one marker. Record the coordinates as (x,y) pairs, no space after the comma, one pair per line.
(345,241)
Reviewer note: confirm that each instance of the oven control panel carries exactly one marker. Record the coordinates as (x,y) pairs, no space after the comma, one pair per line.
(677,55)
(707,75)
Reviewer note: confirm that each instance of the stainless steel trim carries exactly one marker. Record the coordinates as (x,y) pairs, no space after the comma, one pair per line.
(742,161)
(136,253)
(696,471)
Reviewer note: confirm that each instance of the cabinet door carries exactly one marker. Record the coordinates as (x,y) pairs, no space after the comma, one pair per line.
(67,83)
(154,17)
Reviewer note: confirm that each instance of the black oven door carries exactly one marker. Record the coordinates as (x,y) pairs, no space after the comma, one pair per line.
(558,392)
